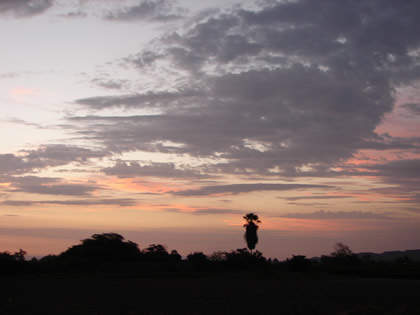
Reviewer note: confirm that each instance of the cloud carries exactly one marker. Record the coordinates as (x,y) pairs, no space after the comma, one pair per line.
(11,164)
(45,156)
(314,197)
(23,122)
(413,108)
(152,10)
(338,215)
(24,8)
(19,74)
(403,169)
(9,75)
(59,154)
(124,169)
(50,186)
(387,142)
(288,89)
(243,188)
(122,202)
(402,176)
(205,211)
(217,211)
(75,14)
(109,83)
(151,99)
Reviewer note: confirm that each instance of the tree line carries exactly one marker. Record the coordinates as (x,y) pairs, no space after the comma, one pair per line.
(111,252)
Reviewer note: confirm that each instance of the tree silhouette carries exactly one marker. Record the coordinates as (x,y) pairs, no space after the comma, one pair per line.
(156,252)
(341,256)
(198,260)
(106,247)
(12,262)
(20,255)
(251,228)
(341,250)
(175,256)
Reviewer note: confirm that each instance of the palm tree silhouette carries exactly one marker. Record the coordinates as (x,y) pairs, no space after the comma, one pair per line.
(251,227)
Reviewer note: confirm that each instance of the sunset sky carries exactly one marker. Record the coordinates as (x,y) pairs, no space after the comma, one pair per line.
(167,121)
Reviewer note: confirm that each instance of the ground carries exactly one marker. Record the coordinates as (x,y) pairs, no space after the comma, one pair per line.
(104,294)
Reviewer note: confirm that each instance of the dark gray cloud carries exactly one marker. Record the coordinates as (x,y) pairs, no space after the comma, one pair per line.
(24,8)
(107,83)
(398,169)
(59,154)
(289,89)
(151,99)
(18,203)
(387,142)
(338,215)
(45,156)
(125,169)
(413,108)
(152,10)
(243,188)
(401,176)
(50,186)
(121,202)
(324,197)
(12,164)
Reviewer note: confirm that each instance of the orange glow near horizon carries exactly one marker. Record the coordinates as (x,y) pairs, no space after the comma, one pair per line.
(293,224)
(311,225)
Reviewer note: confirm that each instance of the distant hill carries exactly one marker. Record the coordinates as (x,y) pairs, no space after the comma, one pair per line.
(413,254)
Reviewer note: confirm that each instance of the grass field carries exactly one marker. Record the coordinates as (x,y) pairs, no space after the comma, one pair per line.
(208,294)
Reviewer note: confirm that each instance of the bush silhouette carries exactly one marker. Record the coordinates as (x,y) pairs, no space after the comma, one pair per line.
(243,259)
(298,263)
(155,252)
(12,262)
(175,256)
(106,247)
(199,260)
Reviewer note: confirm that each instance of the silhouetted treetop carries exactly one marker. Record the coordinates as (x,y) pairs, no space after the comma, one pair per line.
(175,256)
(155,252)
(341,250)
(104,247)
(251,218)
(342,255)
(105,237)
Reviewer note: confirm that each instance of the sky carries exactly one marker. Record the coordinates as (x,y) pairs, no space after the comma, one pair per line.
(167,121)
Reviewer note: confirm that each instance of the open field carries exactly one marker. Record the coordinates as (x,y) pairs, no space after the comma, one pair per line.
(208,294)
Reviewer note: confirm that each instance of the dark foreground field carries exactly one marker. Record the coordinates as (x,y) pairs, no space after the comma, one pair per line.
(246,294)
